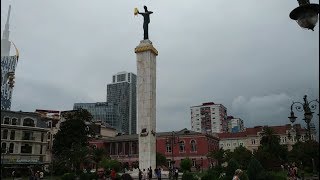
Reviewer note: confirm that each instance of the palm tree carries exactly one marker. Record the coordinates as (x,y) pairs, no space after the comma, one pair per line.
(98,154)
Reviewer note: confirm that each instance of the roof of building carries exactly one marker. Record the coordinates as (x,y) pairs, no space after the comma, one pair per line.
(257,129)
(183,132)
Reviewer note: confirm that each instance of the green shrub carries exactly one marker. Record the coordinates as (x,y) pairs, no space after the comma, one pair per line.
(68,176)
(186,164)
(188,176)
(255,169)
(233,165)
(278,175)
(244,176)
(211,174)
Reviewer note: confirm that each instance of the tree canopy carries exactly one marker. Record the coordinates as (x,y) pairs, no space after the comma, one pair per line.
(70,143)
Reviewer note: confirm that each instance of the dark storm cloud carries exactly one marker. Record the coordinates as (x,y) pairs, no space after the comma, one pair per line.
(248,55)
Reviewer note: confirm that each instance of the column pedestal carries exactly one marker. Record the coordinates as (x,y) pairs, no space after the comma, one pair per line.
(146,103)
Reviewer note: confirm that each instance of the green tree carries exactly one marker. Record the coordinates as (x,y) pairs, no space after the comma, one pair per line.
(304,152)
(186,164)
(242,155)
(233,165)
(110,164)
(71,141)
(98,154)
(271,153)
(161,160)
(219,155)
(255,169)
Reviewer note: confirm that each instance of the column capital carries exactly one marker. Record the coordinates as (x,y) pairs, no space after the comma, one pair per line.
(146,45)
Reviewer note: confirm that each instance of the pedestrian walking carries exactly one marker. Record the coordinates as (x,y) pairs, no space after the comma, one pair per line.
(159,174)
(144,174)
(140,174)
(113,174)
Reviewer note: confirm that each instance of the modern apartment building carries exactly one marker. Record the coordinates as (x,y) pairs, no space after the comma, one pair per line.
(208,118)
(122,91)
(23,140)
(234,125)
(105,112)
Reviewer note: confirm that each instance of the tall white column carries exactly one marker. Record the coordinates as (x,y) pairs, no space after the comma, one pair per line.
(146,101)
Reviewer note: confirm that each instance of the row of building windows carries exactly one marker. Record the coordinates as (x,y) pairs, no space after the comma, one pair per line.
(229,144)
(182,146)
(26,148)
(26,135)
(14,121)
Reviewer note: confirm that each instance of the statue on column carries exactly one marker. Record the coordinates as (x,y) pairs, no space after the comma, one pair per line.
(146,18)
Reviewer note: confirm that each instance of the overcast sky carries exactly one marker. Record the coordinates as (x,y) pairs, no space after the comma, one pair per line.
(247,55)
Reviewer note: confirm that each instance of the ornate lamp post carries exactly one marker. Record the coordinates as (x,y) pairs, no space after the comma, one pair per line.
(306,14)
(305,107)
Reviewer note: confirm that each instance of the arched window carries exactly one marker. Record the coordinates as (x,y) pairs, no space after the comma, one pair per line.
(193,146)
(6,120)
(14,121)
(12,135)
(11,147)
(182,146)
(28,122)
(3,147)
(5,134)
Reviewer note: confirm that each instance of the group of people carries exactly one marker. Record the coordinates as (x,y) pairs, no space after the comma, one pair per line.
(173,173)
(102,175)
(36,175)
(147,174)
(292,172)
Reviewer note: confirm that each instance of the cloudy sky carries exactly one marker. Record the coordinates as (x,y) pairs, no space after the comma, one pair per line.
(247,55)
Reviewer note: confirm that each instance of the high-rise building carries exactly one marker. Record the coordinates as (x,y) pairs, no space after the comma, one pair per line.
(234,125)
(122,91)
(8,67)
(103,112)
(208,118)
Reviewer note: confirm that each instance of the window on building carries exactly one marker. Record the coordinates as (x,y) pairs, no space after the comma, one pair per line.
(193,146)
(27,135)
(169,163)
(49,135)
(194,162)
(5,134)
(241,144)
(168,148)
(228,144)
(3,147)
(11,148)
(42,137)
(12,135)
(28,122)
(6,120)
(41,149)
(253,141)
(14,121)
(26,148)
(182,146)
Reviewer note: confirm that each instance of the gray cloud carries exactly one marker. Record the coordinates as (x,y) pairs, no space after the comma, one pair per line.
(208,51)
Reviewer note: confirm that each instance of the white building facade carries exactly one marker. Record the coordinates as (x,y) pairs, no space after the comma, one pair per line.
(208,118)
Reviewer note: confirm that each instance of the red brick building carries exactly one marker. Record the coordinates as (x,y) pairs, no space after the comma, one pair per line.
(175,146)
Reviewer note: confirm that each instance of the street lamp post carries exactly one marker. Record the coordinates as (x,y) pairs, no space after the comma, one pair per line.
(306,14)
(306,107)
(172,140)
